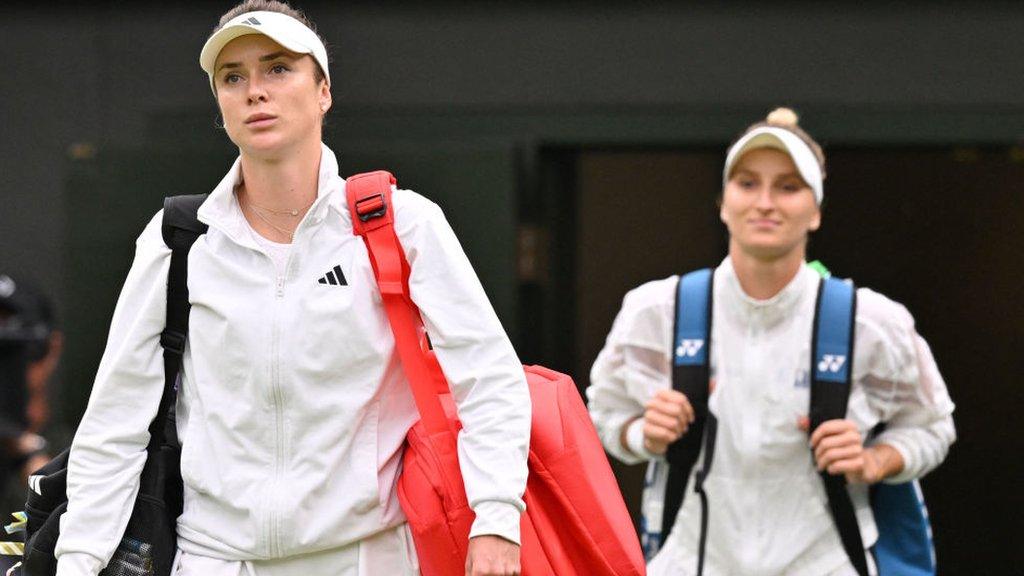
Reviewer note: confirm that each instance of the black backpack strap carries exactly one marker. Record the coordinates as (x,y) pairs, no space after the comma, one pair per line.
(181,228)
(831,376)
(691,371)
(710,434)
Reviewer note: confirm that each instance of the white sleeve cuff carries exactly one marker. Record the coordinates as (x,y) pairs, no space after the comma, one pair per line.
(635,440)
(910,467)
(497,518)
(78,564)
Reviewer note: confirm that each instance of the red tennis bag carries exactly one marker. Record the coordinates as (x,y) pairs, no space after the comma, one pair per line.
(575,523)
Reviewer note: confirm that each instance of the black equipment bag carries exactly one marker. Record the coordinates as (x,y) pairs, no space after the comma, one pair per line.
(150,541)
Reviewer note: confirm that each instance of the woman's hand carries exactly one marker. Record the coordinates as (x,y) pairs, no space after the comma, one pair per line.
(667,417)
(492,556)
(839,449)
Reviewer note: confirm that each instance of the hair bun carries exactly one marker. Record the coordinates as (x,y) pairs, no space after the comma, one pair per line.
(783,117)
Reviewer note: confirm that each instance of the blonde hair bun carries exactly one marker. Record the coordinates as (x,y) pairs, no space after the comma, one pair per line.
(783,117)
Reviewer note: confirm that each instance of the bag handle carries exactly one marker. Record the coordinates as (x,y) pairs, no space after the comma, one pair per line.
(369,203)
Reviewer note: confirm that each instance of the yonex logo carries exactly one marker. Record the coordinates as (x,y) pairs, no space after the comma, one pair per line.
(333,277)
(831,363)
(252,21)
(689,348)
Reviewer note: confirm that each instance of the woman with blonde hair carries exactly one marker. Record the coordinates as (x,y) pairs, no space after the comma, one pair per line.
(762,507)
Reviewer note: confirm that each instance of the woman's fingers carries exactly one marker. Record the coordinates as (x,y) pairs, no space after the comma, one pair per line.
(672,403)
(667,416)
(673,423)
(852,467)
(657,438)
(840,454)
(660,434)
(838,440)
(838,448)
(831,428)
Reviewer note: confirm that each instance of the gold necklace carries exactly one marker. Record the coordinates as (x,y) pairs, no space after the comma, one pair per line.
(285,212)
(289,234)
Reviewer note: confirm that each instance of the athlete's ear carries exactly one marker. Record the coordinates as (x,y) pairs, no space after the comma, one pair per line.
(815,221)
(325,97)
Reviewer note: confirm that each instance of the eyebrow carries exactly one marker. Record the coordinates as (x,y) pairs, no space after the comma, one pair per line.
(266,58)
(749,172)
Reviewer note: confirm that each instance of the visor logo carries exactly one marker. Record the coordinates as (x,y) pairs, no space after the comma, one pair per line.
(252,21)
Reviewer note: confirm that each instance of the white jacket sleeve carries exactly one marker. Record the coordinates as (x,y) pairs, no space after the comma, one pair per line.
(905,387)
(634,363)
(486,377)
(108,451)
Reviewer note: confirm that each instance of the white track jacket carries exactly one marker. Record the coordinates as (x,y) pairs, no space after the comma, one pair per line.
(293,405)
(768,510)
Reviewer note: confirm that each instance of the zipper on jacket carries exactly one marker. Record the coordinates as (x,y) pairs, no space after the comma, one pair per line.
(273,512)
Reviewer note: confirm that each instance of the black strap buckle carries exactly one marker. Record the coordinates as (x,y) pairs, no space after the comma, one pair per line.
(173,342)
(371,207)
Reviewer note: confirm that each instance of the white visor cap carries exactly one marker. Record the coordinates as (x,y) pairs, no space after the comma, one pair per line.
(786,141)
(281,28)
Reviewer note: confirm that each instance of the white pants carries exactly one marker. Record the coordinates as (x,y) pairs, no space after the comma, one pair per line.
(387,553)
(669,565)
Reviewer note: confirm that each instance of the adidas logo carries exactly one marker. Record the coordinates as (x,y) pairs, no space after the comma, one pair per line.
(252,21)
(333,278)
(36,484)
(689,348)
(831,363)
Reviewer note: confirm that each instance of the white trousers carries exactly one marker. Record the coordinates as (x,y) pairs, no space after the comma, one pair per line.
(672,565)
(387,553)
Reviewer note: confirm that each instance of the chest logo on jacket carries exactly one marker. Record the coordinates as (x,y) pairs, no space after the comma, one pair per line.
(333,277)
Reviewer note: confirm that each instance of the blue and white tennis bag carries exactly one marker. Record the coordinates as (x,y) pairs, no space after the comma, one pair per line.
(904,546)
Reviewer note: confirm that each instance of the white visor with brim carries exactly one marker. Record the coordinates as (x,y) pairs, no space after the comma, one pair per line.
(281,28)
(786,141)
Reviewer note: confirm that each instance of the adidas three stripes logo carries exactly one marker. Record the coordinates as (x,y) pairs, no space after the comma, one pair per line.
(333,278)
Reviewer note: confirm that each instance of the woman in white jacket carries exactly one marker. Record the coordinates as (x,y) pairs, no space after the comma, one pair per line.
(768,513)
(293,406)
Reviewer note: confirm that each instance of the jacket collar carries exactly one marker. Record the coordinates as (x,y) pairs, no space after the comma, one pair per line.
(763,312)
(222,211)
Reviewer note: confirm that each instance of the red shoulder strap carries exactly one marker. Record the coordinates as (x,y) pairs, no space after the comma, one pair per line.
(369,203)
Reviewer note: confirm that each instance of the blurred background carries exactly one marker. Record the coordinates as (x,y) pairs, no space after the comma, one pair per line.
(577,149)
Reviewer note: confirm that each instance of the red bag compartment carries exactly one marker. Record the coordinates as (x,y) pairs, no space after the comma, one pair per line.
(575,522)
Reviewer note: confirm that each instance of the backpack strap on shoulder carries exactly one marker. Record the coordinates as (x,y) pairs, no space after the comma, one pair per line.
(372,213)
(180,229)
(373,218)
(691,373)
(831,376)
